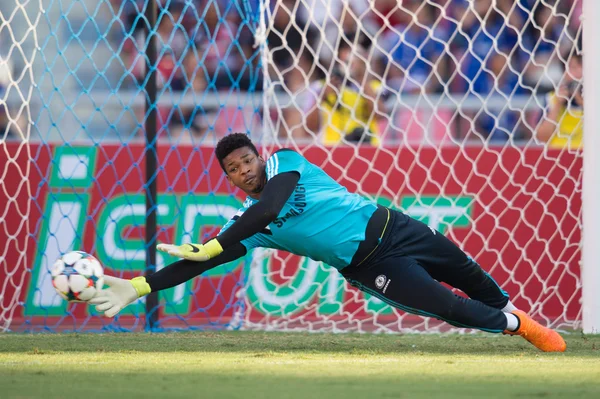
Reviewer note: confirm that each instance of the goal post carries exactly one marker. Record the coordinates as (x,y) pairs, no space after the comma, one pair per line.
(18,50)
(590,277)
(440,108)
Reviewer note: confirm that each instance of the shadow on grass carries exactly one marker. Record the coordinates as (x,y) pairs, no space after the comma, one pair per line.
(479,344)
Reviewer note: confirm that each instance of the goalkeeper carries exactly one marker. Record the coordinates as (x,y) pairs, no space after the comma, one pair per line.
(295,206)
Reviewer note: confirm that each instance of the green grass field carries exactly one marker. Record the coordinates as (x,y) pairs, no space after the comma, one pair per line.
(275,365)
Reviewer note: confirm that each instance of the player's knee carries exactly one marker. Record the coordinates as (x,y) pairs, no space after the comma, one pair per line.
(449,312)
(454,311)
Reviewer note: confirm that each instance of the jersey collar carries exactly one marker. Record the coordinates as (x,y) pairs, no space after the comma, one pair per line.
(249,202)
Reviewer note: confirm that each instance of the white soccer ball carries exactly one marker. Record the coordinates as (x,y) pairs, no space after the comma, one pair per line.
(77,276)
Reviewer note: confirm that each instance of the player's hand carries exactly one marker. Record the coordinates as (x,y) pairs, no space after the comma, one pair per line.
(195,252)
(562,96)
(120,293)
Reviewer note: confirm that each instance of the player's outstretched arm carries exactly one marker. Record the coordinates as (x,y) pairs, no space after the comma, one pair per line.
(272,199)
(122,292)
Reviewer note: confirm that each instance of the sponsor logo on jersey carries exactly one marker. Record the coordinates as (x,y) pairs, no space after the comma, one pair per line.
(297,202)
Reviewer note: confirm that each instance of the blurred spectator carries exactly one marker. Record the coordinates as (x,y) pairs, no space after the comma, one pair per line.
(214,27)
(513,15)
(389,13)
(188,122)
(290,42)
(562,123)
(250,75)
(287,33)
(133,18)
(347,105)
(13,125)
(547,41)
(498,84)
(330,18)
(5,78)
(171,44)
(217,38)
(491,50)
(482,30)
(416,47)
(485,62)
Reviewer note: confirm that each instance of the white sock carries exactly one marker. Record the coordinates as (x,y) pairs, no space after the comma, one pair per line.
(509,307)
(512,322)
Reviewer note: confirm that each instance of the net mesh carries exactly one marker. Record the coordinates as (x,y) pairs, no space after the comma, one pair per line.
(457,98)
(464,114)
(18,47)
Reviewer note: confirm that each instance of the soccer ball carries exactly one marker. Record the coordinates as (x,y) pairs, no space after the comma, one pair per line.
(77,276)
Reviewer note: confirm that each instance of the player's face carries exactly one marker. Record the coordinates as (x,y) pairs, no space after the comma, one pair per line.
(246,170)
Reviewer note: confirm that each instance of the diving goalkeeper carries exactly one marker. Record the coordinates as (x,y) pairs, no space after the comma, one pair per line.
(293,205)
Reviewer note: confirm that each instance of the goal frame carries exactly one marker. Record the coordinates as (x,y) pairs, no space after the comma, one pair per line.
(590,270)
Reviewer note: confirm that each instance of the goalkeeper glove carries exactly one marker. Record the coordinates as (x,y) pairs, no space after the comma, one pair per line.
(119,294)
(195,252)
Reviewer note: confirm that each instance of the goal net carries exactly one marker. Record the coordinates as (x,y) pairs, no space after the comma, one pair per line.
(466,115)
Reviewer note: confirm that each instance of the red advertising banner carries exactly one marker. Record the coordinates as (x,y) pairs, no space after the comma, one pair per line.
(515,210)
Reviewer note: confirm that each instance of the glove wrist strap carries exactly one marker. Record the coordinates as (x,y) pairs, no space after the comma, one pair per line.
(141,286)
(213,248)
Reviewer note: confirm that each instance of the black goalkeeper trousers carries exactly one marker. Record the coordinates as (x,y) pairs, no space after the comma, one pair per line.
(404,265)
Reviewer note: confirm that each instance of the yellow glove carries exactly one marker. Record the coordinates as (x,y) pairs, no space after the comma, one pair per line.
(195,252)
(119,294)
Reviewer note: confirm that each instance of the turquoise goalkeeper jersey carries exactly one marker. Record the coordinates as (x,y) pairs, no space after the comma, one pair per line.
(321,219)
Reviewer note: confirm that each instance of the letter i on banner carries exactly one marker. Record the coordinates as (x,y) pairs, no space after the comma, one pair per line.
(63,221)
(121,244)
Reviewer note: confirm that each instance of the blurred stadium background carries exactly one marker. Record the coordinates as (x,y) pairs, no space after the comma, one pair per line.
(91,55)
(466,114)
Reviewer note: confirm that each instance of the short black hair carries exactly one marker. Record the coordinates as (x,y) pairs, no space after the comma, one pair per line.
(230,143)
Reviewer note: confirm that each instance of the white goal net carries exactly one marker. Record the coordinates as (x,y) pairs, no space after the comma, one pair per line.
(464,114)
(467,115)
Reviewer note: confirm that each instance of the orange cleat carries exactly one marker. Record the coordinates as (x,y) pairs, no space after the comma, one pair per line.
(541,337)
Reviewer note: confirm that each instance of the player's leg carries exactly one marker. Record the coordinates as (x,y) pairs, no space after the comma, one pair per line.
(403,283)
(406,285)
(446,262)
(429,253)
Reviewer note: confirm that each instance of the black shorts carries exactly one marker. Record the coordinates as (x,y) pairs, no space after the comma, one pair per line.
(404,263)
